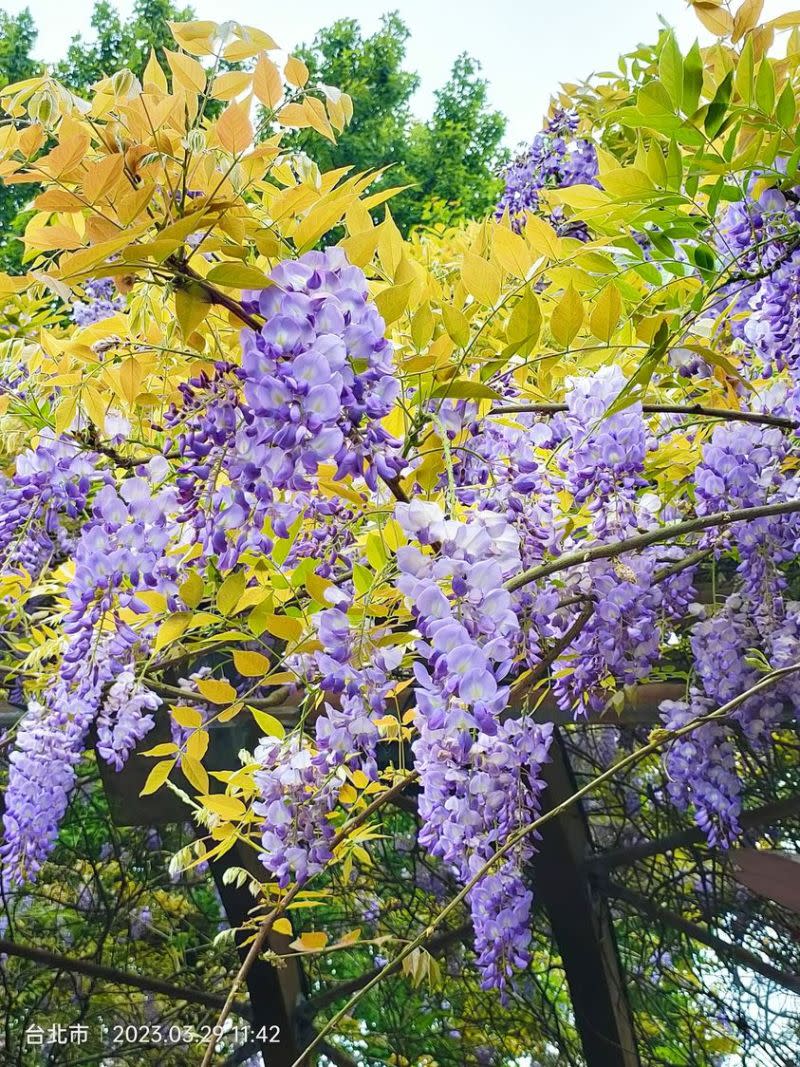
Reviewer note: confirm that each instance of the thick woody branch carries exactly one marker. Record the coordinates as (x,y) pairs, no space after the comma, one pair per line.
(768,815)
(695,410)
(111,974)
(651,537)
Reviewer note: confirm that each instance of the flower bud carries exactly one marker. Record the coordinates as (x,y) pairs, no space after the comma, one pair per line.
(43,107)
(123,82)
(236,177)
(195,141)
(307,170)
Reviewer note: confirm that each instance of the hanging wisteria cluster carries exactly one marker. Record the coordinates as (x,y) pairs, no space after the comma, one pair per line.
(554,159)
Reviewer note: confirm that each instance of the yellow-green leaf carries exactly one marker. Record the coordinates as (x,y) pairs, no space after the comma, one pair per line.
(463,388)
(269,724)
(267,82)
(393,301)
(225,807)
(512,252)
(567,317)
(230,591)
(165,749)
(456,324)
(195,773)
(542,237)
(238,276)
(191,590)
(606,313)
(186,72)
(197,744)
(191,307)
(157,776)
(296,71)
(283,626)
(525,320)
(190,718)
(171,629)
(217,690)
(234,129)
(312,941)
(251,664)
(481,279)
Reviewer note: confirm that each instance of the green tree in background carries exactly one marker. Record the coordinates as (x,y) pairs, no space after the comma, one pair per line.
(450,162)
(455,157)
(17,39)
(371,70)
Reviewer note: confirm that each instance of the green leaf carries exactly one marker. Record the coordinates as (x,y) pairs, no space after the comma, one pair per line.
(692,79)
(171,629)
(787,107)
(238,276)
(674,166)
(718,108)
(463,389)
(362,578)
(670,68)
(765,87)
(644,372)
(743,78)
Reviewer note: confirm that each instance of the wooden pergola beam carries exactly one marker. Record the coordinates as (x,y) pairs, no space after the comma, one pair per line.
(275,992)
(581,923)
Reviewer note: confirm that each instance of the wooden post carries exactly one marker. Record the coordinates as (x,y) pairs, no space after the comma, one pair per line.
(582,926)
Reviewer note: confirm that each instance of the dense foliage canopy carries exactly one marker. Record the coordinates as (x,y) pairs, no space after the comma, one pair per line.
(400,525)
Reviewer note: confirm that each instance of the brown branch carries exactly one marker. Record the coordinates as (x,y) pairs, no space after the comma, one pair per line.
(111,974)
(699,410)
(215,296)
(727,949)
(652,537)
(528,681)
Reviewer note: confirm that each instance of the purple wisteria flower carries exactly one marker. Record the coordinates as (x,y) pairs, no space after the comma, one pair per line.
(313,387)
(102,301)
(556,158)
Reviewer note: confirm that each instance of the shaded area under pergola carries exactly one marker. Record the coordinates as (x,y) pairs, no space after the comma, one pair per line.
(578,884)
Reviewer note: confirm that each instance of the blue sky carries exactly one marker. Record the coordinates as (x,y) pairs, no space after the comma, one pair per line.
(526,47)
